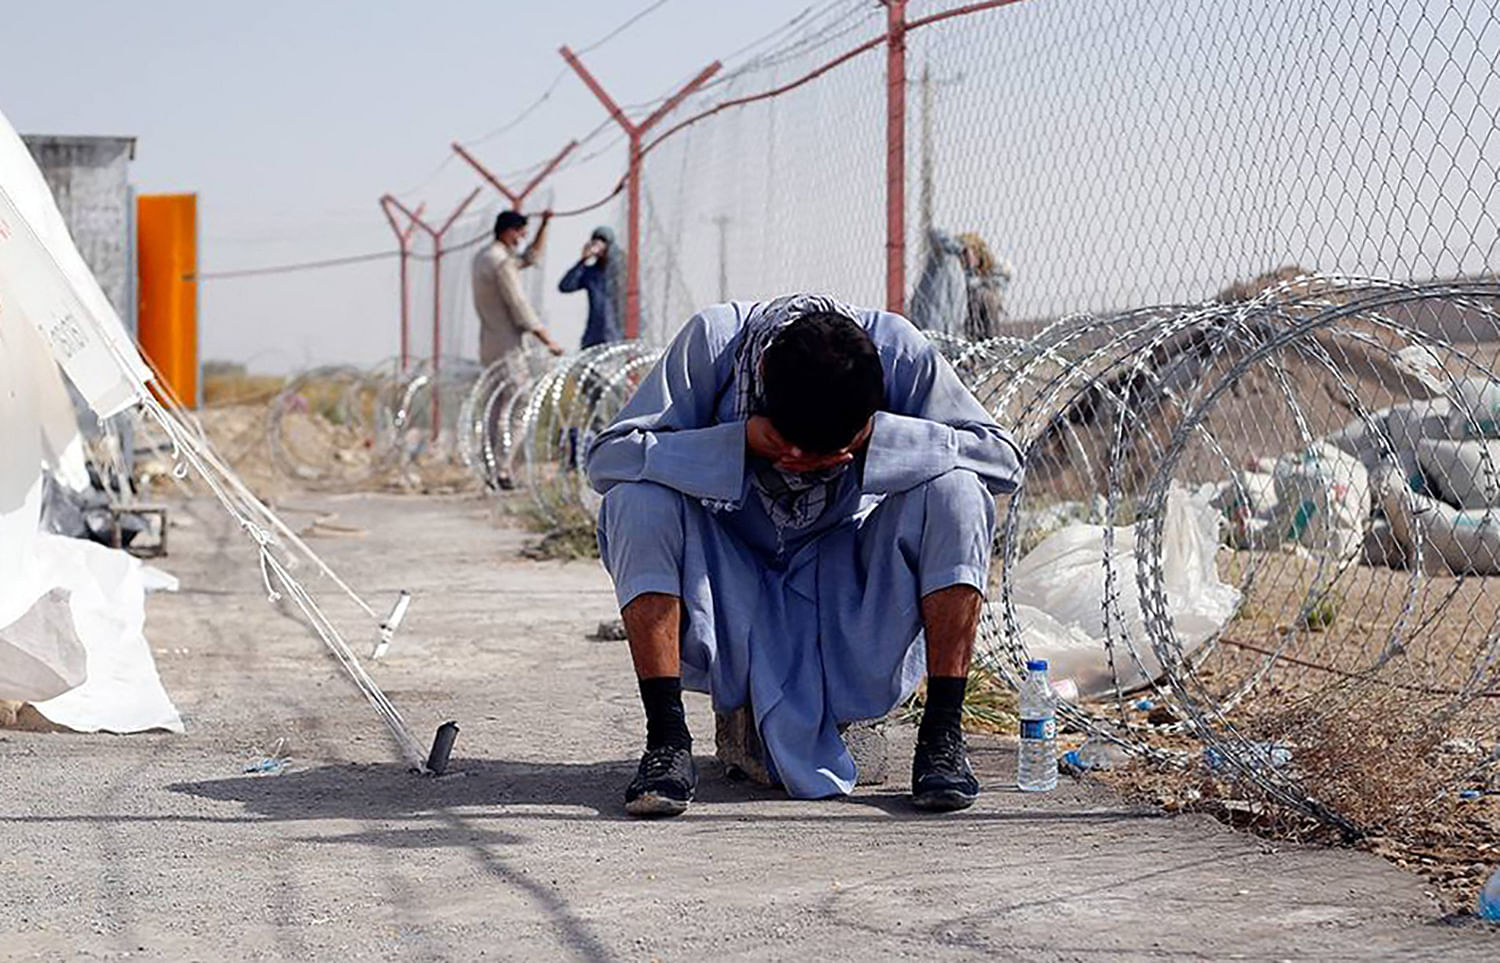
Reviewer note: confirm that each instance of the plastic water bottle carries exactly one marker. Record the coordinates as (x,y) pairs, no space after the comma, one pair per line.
(1037,765)
(1489,899)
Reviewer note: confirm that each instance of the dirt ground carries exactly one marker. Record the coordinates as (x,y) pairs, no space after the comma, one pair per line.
(159,847)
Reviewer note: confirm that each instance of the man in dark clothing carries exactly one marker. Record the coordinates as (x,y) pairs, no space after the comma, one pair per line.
(599,272)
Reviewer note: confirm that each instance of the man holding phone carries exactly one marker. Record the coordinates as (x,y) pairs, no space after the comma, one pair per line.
(599,272)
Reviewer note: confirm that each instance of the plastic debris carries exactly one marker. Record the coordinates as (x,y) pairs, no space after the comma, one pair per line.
(1489,899)
(1095,753)
(1259,755)
(273,764)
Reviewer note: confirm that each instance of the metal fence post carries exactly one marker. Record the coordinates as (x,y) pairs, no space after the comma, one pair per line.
(895,156)
(635,132)
(516,198)
(403,242)
(437,235)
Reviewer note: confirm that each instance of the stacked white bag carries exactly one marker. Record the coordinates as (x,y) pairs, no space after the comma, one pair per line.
(1436,471)
(1448,504)
(1318,499)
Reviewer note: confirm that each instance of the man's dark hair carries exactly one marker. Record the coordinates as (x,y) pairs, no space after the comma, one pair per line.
(823,380)
(507,220)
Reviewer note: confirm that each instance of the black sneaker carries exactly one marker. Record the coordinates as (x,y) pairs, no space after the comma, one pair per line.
(664,783)
(941,778)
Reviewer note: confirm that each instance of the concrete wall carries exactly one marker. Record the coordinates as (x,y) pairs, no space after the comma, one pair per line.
(90,178)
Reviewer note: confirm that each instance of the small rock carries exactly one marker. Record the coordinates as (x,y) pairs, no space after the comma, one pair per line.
(612,630)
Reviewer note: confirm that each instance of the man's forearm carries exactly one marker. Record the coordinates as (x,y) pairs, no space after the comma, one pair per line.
(906,451)
(534,249)
(706,463)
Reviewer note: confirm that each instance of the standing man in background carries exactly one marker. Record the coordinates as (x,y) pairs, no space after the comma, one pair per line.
(600,272)
(505,316)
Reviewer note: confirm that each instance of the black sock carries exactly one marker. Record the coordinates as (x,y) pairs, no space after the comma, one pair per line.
(945,703)
(666,724)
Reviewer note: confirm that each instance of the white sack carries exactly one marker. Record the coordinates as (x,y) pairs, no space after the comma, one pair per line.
(1058,591)
(1322,501)
(1318,498)
(1422,364)
(1462,473)
(1477,414)
(1411,423)
(1452,540)
(1367,439)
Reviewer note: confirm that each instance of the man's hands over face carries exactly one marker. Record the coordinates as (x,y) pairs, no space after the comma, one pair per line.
(764,440)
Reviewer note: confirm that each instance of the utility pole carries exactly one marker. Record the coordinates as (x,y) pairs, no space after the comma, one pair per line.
(722,222)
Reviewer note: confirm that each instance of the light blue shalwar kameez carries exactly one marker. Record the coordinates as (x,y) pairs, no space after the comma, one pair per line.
(814,626)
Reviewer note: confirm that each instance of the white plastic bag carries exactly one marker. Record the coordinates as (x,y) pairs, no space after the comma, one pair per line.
(41,655)
(1409,424)
(108,602)
(1058,590)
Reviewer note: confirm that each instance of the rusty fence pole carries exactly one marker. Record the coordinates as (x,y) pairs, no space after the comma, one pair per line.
(634,133)
(437,235)
(403,246)
(895,157)
(516,198)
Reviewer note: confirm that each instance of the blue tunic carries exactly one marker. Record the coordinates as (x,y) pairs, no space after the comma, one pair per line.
(603,325)
(814,626)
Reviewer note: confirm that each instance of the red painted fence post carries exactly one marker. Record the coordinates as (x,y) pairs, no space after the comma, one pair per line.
(895,157)
(634,132)
(403,242)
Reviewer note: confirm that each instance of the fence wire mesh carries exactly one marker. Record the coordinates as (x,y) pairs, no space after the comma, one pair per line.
(1259,533)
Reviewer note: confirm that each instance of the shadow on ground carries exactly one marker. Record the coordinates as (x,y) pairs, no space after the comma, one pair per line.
(531,790)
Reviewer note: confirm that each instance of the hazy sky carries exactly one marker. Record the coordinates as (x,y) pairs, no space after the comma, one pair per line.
(289,119)
(1115,160)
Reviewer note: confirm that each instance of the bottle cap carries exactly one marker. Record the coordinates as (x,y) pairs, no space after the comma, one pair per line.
(1036,665)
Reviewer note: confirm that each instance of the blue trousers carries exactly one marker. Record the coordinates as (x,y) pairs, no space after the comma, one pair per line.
(815,627)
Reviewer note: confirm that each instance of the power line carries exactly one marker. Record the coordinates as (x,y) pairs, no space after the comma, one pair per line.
(333,262)
(562,73)
(813,38)
(622,27)
(289,268)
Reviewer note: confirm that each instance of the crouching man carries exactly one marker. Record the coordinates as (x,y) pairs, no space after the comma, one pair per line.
(798,509)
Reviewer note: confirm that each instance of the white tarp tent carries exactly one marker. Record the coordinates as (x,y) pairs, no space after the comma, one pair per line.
(71,612)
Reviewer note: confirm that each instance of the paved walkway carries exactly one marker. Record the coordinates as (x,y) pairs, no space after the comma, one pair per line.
(156,847)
